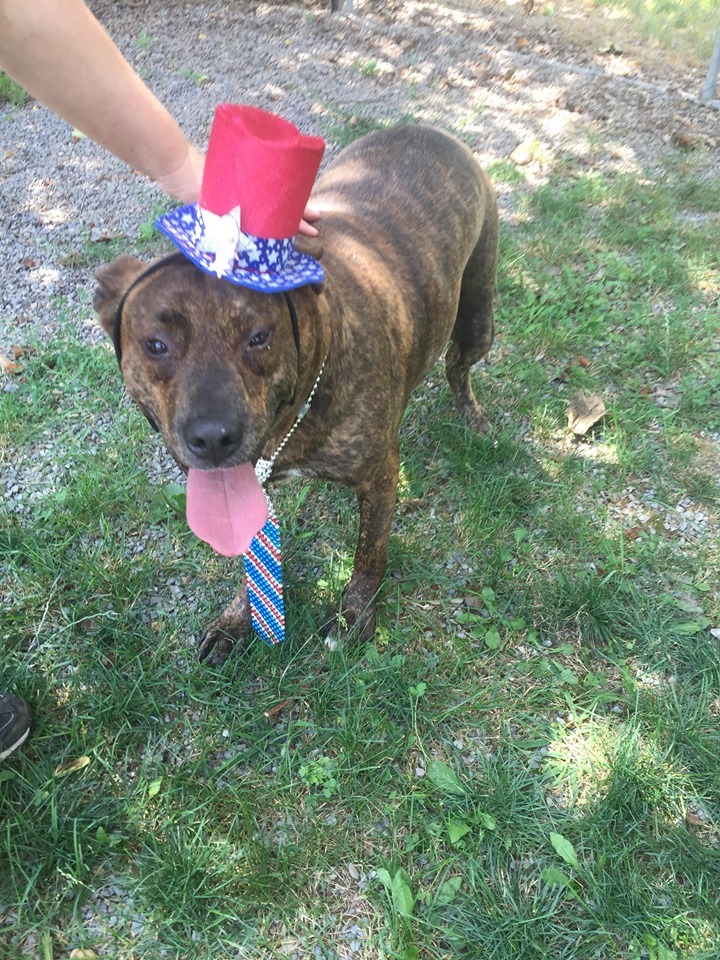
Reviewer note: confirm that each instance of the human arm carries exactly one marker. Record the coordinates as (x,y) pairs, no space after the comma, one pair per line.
(60,54)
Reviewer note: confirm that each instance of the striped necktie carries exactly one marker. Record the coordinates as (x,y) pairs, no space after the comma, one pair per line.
(263,560)
(264,581)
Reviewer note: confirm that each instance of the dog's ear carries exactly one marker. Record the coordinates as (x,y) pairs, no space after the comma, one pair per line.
(113,280)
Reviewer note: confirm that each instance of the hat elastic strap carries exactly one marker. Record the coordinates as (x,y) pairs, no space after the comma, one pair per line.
(296,335)
(117,322)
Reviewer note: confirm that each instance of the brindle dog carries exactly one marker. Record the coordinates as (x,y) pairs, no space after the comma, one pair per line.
(408,239)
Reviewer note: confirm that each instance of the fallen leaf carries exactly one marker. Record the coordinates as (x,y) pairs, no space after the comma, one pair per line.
(633,533)
(16,352)
(473,602)
(28,263)
(9,366)
(584,410)
(583,362)
(613,50)
(278,708)
(684,141)
(72,766)
(79,954)
(523,153)
(407,506)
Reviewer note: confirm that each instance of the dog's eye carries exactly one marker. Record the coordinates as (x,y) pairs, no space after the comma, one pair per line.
(156,348)
(259,339)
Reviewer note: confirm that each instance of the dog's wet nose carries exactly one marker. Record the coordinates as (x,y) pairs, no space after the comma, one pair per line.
(213,440)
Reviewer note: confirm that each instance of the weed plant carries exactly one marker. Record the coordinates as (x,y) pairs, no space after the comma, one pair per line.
(10,92)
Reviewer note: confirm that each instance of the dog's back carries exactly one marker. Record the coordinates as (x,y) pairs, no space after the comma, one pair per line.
(409,228)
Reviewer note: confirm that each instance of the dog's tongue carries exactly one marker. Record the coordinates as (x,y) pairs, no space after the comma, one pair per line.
(226,508)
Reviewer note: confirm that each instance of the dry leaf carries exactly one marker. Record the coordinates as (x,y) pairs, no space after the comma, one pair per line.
(473,602)
(523,153)
(407,506)
(583,362)
(685,141)
(72,767)
(79,954)
(9,366)
(278,708)
(584,410)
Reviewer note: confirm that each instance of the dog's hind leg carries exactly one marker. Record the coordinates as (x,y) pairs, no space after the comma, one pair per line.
(472,334)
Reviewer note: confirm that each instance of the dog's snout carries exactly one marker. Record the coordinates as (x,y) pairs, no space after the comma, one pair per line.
(212,439)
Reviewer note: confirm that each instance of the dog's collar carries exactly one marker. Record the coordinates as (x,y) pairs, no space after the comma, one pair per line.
(179,257)
(263,468)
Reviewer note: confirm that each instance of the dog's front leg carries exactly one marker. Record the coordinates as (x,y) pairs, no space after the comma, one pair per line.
(376,498)
(232,629)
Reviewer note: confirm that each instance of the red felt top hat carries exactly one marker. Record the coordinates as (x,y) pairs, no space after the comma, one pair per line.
(259,171)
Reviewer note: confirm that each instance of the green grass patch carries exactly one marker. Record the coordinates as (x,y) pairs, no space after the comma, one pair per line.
(685,27)
(11,92)
(523,764)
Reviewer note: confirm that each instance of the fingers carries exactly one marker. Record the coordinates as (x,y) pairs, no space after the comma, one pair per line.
(306,228)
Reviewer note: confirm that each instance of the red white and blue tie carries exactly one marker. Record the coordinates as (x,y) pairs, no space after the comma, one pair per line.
(264,581)
(263,567)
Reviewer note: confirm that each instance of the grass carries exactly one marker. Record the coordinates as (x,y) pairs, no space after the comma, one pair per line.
(11,92)
(686,27)
(524,762)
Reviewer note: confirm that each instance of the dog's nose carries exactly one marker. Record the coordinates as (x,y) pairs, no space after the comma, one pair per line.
(212,439)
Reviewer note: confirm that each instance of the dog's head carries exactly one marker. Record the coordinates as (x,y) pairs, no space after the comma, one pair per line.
(213,365)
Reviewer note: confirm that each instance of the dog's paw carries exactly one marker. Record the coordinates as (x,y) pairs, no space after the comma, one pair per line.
(347,629)
(472,414)
(231,631)
(218,643)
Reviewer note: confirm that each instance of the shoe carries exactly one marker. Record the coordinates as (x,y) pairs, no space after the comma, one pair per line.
(14,723)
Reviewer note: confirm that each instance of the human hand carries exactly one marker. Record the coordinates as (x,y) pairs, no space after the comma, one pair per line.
(184,184)
(306,227)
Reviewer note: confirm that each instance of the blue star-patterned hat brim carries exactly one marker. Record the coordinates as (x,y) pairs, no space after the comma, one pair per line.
(268,265)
